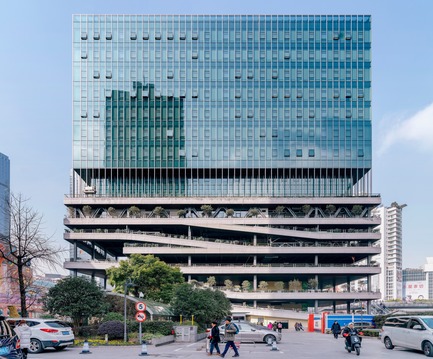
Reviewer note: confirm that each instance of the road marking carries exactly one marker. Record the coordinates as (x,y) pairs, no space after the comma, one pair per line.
(176,350)
(191,345)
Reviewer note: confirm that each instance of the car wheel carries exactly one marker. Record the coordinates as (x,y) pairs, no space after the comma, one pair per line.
(388,343)
(269,339)
(59,349)
(427,348)
(35,346)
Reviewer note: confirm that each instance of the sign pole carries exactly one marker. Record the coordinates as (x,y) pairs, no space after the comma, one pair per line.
(139,333)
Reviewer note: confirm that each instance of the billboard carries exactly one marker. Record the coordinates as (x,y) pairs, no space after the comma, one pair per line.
(415,289)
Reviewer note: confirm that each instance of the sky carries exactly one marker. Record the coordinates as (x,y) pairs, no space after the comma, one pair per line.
(36,97)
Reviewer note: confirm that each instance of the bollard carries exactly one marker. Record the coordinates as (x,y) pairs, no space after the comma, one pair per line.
(86,349)
(143,349)
(274,345)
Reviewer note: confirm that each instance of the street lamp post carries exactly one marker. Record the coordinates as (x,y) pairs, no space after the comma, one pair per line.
(128,283)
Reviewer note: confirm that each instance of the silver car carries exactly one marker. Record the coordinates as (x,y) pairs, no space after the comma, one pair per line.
(249,332)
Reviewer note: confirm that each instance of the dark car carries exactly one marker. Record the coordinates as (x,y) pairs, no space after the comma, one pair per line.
(9,342)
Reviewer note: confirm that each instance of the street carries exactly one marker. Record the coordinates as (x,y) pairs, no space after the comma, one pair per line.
(294,344)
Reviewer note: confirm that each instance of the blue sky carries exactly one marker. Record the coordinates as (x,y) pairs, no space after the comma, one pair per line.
(36,108)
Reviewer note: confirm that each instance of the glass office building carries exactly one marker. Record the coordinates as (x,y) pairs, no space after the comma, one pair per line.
(4,194)
(265,116)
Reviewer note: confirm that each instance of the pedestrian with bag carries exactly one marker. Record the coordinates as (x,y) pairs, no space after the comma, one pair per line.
(214,338)
(230,330)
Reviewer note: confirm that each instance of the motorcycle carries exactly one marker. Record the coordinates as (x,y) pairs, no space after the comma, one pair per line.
(355,343)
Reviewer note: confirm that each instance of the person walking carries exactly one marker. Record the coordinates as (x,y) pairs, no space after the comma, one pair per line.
(214,338)
(270,325)
(336,329)
(24,333)
(229,334)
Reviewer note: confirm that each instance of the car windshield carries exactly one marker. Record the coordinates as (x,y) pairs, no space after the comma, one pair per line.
(428,322)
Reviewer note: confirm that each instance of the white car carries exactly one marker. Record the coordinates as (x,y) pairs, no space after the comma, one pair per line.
(249,332)
(47,333)
(412,332)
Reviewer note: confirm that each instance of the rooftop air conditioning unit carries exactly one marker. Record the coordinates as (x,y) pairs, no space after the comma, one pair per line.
(90,190)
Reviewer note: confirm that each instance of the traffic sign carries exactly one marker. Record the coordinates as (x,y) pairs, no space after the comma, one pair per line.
(140,307)
(140,317)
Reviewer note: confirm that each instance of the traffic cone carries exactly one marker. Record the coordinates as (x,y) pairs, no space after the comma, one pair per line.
(143,349)
(274,345)
(86,349)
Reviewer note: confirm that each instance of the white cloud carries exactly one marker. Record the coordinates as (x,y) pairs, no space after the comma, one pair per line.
(416,130)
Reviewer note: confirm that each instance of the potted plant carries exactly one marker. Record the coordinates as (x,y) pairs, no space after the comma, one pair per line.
(306,209)
(211,281)
(111,211)
(246,285)
(312,283)
(357,209)
(158,211)
(330,209)
(228,284)
(295,285)
(87,210)
(181,213)
(279,286)
(134,211)
(207,210)
(263,285)
(230,212)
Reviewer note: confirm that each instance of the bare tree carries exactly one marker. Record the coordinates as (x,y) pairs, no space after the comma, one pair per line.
(26,245)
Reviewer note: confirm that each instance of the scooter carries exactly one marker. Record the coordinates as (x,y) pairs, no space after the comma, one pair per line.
(355,343)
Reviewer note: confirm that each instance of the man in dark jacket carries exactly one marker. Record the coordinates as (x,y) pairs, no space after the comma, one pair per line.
(336,329)
(348,331)
(229,334)
(214,338)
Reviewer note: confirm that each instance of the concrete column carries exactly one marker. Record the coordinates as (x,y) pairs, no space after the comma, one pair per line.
(189,232)
(189,278)
(368,306)
(369,283)
(255,282)
(316,306)
(93,275)
(75,251)
(334,306)
(348,284)
(189,261)
(255,240)
(255,260)
(348,307)
(255,304)
(93,251)
(316,260)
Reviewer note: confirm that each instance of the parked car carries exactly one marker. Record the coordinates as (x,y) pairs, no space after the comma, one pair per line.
(249,332)
(412,332)
(47,333)
(9,342)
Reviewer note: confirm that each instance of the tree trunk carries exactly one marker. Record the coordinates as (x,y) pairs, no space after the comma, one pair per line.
(22,290)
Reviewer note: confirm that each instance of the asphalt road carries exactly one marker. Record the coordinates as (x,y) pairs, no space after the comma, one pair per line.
(294,345)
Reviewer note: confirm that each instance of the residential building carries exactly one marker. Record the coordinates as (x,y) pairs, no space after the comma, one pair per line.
(390,280)
(232,146)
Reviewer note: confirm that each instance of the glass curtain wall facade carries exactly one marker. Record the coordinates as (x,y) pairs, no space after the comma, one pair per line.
(237,147)
(221,105)
(4,194)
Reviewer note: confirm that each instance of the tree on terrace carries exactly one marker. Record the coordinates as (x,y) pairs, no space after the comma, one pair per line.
(25,247)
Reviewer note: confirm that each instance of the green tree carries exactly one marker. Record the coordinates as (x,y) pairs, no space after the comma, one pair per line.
(155,278)
(75,297)
(205,304)
(357,209)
